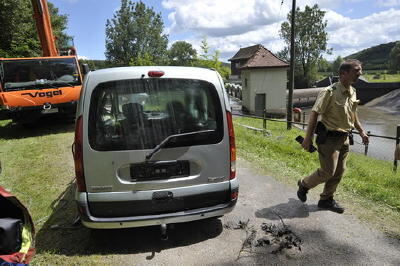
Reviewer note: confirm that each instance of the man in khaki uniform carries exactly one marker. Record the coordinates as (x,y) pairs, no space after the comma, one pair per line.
(337,105)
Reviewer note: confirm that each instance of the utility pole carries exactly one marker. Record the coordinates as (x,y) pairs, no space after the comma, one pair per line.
(291,69)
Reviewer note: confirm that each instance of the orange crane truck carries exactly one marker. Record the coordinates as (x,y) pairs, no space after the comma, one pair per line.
(37,86)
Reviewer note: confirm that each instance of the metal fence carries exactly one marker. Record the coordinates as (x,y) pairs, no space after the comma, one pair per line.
(301,117)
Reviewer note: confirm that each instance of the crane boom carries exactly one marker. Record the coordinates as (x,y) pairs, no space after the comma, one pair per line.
(43,25)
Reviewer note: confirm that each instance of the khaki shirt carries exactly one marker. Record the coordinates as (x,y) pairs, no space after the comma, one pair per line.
(337,107)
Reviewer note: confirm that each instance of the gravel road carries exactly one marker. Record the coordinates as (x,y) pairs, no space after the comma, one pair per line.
(268,226)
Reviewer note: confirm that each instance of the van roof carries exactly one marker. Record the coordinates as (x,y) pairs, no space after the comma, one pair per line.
(136,72)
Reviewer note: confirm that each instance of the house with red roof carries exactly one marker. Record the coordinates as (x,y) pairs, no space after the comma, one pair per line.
(264,80)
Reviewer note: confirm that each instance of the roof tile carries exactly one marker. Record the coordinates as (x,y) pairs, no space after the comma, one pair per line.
(258,57)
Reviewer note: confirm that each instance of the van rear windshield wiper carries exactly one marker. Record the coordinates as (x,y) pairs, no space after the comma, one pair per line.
(168,139)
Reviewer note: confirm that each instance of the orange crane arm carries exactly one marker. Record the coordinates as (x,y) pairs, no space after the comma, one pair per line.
(43,25)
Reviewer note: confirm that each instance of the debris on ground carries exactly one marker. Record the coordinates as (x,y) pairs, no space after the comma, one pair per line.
(279,235)
(273,238)
(239,225)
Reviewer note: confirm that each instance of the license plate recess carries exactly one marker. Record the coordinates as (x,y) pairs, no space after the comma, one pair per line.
(159,170)
(50,111)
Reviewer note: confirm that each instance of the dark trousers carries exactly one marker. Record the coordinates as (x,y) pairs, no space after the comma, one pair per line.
(332,157)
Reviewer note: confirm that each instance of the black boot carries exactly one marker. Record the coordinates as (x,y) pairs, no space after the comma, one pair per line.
(302,191)
(330,204)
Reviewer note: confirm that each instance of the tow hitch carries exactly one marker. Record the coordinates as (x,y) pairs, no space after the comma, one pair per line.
(164,235)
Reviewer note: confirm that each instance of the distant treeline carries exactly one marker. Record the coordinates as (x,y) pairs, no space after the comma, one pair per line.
(97,64)
(373,58)
(100,64)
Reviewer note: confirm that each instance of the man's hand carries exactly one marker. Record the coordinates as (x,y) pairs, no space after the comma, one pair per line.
(357,125)
(364,137)
(306,143)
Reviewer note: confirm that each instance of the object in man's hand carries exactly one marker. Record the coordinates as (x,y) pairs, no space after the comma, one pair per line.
(300,140)
(351,139)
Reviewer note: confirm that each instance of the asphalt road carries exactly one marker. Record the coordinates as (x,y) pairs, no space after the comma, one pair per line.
(293,233)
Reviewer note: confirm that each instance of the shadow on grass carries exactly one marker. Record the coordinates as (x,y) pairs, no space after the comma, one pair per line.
(43,126)
(292,209)
(59,236)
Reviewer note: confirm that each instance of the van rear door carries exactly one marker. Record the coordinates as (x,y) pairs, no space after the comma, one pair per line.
(127,120)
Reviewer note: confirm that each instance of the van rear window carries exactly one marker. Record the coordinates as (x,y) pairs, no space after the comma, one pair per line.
(139,114)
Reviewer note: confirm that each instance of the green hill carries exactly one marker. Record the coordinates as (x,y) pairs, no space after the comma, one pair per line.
(375,57)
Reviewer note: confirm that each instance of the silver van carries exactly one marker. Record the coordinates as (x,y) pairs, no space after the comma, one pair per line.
(153,146)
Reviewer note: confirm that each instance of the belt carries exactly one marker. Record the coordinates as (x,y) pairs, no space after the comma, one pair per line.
(331,133)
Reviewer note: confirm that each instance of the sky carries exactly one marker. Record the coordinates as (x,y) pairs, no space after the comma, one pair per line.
(229,25)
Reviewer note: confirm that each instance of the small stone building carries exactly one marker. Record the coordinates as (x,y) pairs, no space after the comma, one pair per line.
(264,80)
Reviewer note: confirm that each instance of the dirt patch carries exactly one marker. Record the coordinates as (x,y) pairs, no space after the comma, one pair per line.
(268,238)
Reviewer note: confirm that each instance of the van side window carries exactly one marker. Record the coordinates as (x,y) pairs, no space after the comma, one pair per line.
(139,114)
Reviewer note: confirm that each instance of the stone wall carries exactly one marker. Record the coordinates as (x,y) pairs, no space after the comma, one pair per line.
(366,91)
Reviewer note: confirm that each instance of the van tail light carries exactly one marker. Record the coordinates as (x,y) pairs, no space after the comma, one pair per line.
(77,151)
(155,74)
(234,194)
(232,146)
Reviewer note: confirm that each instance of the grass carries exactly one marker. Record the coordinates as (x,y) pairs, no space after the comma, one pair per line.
(369,185)
(34,164)
(381,77)
(38,168)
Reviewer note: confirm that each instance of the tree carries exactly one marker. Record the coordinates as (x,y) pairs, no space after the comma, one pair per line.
(211,60)
(394,58)
(284,54)
(19,36)
(310,42)
(135,33)
(324,65)
(59,24)
(204,48)
(182,53)
(142,60)
(336,65)
(96,64)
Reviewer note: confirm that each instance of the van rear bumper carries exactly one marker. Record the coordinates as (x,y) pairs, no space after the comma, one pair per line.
(147,220)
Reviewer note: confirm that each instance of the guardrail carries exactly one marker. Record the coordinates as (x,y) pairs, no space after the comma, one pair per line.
(304,124)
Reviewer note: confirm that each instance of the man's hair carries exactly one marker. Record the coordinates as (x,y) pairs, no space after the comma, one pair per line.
(347,65)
